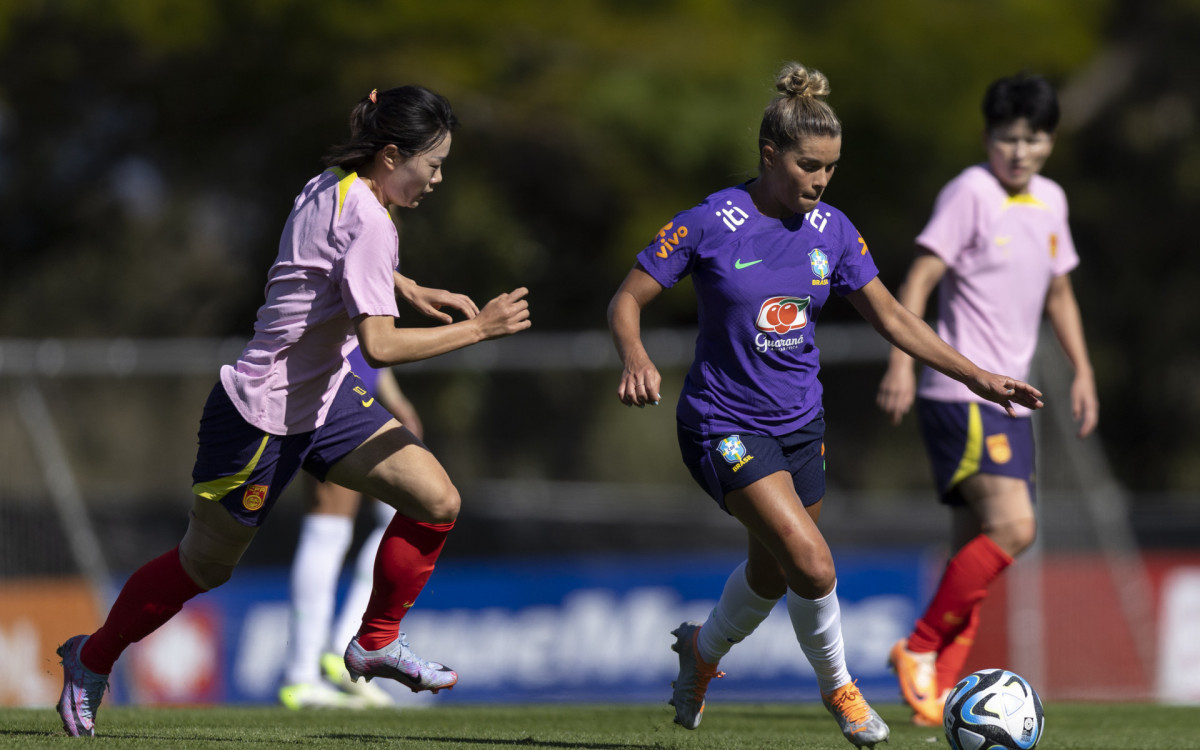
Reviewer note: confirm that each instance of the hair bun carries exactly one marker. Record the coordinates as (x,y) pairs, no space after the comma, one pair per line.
(795,80)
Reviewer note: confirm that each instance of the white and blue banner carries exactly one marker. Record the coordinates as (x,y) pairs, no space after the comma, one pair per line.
(561,629)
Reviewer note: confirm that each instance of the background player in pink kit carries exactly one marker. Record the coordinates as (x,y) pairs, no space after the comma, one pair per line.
(999,250)
(764,258)
(291,402)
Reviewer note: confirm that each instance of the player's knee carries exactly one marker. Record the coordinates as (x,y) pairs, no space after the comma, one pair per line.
(212,547)
(206,574)
(1024,532)
(434,502)
(813,578)
(443,505)
(1014,536)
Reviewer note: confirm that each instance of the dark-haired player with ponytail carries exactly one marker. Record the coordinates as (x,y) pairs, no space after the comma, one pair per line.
(290,402)
(765,257)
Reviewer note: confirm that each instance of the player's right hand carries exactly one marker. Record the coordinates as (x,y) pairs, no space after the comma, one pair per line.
(897,391)
(1005,391)
(505,315)
(640,383)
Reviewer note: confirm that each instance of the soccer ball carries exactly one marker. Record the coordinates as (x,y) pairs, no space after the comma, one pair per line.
(993,709)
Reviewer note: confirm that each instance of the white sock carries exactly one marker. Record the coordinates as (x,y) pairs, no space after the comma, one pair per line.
(324,540)
(818,626)
(350,616)
(737,613)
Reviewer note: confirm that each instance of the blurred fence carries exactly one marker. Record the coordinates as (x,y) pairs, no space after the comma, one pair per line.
(96,444)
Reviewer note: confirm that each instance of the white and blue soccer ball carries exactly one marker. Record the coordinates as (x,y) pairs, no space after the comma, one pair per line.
(993,709)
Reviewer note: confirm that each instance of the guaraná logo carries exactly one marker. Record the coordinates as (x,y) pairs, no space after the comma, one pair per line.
(783,314)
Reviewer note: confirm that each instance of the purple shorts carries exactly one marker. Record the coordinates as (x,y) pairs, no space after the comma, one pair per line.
(723,463)
(246,469)
(966,438)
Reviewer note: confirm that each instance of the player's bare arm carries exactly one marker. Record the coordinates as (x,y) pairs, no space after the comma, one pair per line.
(905,330)
(898,388)
(641,382)
(1062,310)
(383,344)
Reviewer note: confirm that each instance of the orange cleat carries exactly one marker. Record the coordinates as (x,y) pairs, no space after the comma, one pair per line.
(940,705)
(917,674)
(694,676)
(858,721)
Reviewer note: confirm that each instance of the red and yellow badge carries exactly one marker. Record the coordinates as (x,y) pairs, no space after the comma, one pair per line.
(1053,245)
(256,495)
(998,448)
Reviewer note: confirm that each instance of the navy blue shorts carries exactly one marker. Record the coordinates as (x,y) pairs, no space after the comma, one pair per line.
(966,438)
(246,469)
(725,463)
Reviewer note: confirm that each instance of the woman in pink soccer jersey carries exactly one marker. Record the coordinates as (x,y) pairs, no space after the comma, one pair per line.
(291,402)
(764,258)
(998,249)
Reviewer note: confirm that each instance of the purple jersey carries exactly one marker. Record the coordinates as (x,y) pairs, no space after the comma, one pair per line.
(760,286)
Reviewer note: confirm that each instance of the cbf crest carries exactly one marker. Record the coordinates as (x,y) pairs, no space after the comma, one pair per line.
(732,449)
(819,262)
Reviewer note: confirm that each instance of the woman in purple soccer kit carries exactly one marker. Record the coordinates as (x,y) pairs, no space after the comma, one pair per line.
(291,402)
(764,257)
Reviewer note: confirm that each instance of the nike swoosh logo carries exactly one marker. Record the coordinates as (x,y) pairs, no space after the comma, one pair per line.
(368,402)
(739,265)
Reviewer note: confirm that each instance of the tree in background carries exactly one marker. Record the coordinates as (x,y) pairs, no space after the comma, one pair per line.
(148,153)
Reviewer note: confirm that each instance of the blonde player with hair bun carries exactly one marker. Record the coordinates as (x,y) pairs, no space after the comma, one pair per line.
(765,257)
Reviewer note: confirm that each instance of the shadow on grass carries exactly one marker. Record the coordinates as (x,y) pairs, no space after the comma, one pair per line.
(524,742)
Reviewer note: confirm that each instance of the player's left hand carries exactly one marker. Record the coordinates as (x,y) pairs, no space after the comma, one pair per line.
(429,301)
(1006,391)
(1085,404)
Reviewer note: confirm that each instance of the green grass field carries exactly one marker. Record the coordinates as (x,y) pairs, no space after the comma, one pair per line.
(568,727)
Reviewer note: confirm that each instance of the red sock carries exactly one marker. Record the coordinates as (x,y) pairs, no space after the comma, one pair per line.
(405,561)
(963,586)
(950,660)
(153,594)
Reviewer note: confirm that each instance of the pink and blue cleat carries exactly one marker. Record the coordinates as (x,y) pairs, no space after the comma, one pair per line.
(397,661)
(82,690)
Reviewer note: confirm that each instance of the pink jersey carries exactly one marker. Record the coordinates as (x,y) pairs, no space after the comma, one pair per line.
(1002,252)
(336,258)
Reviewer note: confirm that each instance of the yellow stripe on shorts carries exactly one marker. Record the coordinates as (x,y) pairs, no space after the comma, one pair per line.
(219,488)
(973,451)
